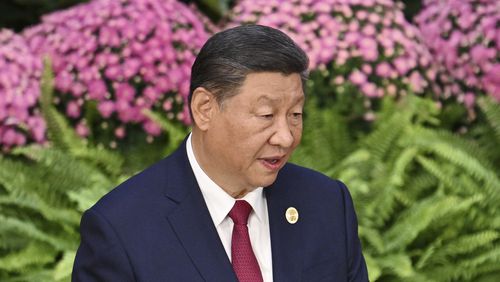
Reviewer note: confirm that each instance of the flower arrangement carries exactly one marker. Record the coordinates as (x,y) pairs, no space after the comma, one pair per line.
(113,60)
(20,71)
(463,36)
(365,44)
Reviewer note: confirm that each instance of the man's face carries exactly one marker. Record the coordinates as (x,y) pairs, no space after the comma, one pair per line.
(253,134)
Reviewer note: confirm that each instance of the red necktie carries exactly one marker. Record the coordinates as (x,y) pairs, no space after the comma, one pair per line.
(243,259)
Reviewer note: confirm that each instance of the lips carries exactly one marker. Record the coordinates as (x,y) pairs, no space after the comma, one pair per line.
(272,163)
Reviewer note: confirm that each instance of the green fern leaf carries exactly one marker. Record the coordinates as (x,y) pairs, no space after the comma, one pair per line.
(491,109)
(63,269)
(468,243)
(58,130)
(399,264)
(467,271)
(383,138)
(445,178)
(24,228)
(417,218)
(34,253)
(374,270)
(21,199)
(175,132)
(37,274)
(373,237)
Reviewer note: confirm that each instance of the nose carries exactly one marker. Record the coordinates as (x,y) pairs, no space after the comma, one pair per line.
(282,135)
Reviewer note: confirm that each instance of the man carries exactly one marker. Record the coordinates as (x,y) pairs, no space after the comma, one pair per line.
(226,206)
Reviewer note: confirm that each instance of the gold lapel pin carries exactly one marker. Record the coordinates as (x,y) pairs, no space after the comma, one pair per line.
(292,215)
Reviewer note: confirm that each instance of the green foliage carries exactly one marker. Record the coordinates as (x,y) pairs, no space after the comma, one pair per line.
(176,132)
(45,189)
(43,192)
(427,200)
(131,156)
(214,9)
(61,133)
(486,130)
(491,111)
(335,143)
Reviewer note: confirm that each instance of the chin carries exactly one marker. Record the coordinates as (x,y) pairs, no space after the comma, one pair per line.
(265,181)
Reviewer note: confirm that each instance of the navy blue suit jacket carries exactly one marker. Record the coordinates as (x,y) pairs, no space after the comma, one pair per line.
(157,227)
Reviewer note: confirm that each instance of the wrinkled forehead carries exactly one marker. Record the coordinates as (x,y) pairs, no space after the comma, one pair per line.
(272,87)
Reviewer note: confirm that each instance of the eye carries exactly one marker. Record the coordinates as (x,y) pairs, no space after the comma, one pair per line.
(267,116)
(296,118)
(296,115)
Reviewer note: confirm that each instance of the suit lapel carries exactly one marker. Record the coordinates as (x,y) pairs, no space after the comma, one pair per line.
(286,242)
(195,229)
(192,223)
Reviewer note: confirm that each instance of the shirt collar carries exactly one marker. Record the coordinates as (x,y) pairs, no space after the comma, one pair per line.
(219,203)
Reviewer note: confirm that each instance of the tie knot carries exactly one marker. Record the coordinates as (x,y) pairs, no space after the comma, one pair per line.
(240,212)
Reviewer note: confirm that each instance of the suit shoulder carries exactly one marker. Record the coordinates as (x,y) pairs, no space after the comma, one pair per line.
(139,192)
(131,187)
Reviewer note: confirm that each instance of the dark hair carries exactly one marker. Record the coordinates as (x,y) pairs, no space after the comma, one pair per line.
(229,56)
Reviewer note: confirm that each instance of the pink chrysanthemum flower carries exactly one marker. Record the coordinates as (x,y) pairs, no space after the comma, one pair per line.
(20,71)
(463,36)
(367,44)
(115,59)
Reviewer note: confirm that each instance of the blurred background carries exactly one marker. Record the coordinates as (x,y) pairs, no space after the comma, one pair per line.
(403,106)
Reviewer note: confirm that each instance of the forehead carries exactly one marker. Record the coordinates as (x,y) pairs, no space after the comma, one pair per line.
(272,86)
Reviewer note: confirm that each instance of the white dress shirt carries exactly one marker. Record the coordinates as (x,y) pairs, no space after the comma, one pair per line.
(219,204)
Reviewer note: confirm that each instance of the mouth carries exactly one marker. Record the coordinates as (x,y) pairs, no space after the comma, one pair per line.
(273,163)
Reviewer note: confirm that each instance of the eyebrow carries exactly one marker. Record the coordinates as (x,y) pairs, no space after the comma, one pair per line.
(269,99)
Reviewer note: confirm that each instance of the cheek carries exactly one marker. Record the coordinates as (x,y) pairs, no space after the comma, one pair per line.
(250,133)
(243,141)
(297,135)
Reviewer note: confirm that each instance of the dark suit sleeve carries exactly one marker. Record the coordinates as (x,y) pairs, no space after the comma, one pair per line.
(357,267)
(101,256)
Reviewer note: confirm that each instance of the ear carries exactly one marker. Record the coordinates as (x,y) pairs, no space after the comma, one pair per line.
(203,105)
